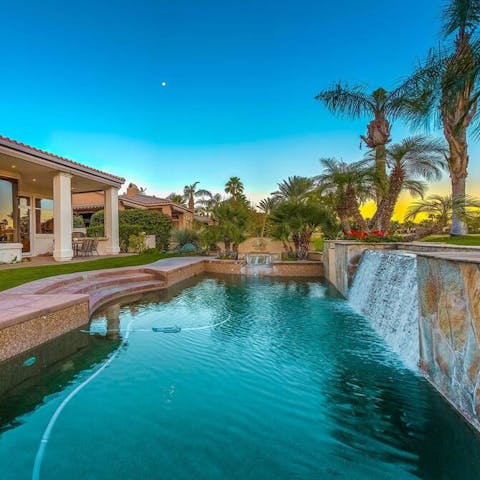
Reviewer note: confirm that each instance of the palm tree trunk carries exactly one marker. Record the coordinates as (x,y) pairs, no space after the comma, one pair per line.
(459,226)
(354,209)
(381,179)
(383,216)
(304,244)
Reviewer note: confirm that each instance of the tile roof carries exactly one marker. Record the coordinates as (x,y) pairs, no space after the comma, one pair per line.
(150,200)
(10,143)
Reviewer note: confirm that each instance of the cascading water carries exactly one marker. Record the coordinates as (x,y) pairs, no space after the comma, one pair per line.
(257,264)
(258,259)
(385,291)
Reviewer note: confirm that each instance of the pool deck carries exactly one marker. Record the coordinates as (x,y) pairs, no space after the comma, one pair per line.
(36,312)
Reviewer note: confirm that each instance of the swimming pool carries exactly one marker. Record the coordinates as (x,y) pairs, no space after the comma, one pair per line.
(289,383)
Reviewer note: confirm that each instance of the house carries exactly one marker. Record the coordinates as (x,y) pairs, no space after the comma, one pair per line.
(86,204)
(36,202)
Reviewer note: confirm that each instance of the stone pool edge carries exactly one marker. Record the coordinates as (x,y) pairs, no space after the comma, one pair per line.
(39,311)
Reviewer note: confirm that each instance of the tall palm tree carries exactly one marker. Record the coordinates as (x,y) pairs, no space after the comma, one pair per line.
(410,161)
(382,106)
(234,187)
(348,184)
(190,192)
(451,79)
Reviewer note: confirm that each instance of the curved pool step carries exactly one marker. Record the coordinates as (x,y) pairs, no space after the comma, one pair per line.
(100,282)
(100,297)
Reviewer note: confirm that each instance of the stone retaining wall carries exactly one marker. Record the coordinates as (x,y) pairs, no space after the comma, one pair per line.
(27,326)
(449,325)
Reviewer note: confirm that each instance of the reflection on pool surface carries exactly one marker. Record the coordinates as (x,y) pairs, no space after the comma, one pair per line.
(293,386)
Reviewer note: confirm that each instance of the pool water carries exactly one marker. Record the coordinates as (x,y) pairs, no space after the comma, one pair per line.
(294,385)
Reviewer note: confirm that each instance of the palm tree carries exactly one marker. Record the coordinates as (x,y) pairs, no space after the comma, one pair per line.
(231,223)
(384,106)
(190,192)
(266,206)
(208,203)
(450,80)
(297,221)
(441,209)
(348,184)
(176,198)
(234,187)
(411,161)
(295,189)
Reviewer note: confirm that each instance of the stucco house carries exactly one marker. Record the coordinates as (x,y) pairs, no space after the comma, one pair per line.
(36,190)
(86,204)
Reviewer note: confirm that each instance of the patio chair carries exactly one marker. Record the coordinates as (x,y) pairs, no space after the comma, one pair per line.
(87,247)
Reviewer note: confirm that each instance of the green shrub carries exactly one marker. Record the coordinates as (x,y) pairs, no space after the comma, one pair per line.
(95,231)
(184,236)
(78,221)
(136,243)
(134,222)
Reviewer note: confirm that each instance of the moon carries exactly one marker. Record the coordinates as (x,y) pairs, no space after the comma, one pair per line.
(164,84)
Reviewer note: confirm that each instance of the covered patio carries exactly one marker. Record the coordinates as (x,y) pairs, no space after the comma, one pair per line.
(36,216)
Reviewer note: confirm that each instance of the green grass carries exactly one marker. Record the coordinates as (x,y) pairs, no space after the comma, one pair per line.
(13,277)
(466,240)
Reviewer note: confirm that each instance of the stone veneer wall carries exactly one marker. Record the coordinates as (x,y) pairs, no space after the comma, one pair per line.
(31,332)
(449,323)
(279,269)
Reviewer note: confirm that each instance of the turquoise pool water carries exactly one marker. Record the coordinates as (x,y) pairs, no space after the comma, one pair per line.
(293,386)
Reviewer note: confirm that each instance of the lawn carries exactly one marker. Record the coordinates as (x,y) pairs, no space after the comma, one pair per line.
(10,278)
(466,240)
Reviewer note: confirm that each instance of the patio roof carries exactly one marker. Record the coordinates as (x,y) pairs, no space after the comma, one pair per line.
(32,164)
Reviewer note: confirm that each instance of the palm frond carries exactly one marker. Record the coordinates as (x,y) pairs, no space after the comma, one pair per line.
(347,101)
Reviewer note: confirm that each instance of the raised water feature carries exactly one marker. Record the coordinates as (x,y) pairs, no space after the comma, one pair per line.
(257,264)
(385,291)
(266,379)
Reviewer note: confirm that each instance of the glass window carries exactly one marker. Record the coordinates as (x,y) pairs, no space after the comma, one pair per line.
(7,227)
(44,215)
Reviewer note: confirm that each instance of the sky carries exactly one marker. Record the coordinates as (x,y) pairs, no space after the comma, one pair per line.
(84,80)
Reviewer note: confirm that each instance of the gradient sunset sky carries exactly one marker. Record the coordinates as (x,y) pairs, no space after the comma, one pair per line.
(83,80)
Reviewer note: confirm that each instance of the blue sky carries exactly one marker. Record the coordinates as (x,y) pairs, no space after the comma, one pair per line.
(83,80)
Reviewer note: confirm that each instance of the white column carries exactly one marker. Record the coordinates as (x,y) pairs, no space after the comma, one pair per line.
(111,221)
(62,216)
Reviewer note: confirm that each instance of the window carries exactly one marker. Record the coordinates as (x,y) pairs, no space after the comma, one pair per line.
(44,215)
(7,223)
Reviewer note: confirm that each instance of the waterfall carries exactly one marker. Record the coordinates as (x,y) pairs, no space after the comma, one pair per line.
(258,259)
(257,264)
(385,291)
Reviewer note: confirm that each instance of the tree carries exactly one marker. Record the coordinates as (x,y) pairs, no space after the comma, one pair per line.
(297,221)
(347,185)
(208,203)
(449,83)
(384,106)
(231,219)
(295,189)
(410,161)
(176,198)
(190,193)
(441,210)
(234,187)
(266,206)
